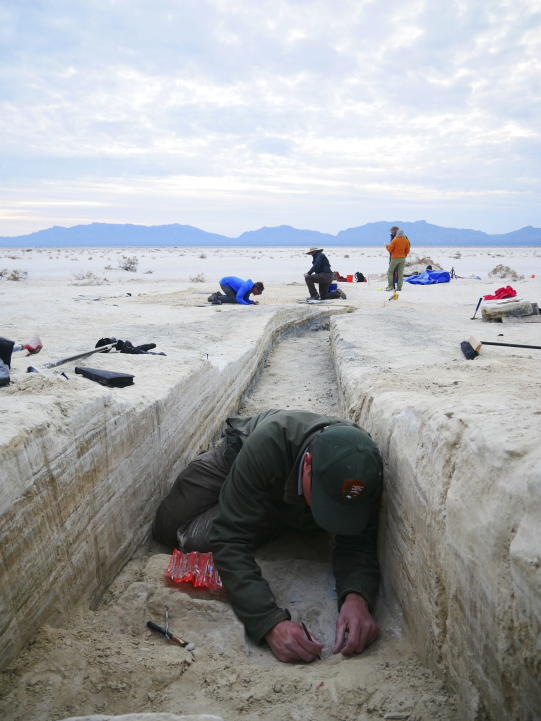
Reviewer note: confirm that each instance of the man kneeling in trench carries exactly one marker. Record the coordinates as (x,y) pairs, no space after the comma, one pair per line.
(284,469)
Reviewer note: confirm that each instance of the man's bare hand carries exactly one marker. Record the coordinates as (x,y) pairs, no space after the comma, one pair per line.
(289,643)
(355,627)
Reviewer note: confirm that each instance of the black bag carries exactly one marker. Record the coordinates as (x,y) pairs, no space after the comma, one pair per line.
(359,277)
(106,378)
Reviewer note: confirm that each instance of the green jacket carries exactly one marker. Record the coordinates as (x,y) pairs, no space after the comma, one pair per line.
(263,480)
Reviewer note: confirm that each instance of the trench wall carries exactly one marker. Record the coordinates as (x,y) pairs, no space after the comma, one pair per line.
(82,485)
(460,535)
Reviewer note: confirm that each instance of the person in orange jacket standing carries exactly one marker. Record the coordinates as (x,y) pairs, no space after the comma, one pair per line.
(398,248)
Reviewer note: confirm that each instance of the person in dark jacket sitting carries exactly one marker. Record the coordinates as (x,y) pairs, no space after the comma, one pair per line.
(319,273)
(236,290)
(277,470)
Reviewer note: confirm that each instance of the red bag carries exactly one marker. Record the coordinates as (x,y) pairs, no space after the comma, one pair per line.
(502,293)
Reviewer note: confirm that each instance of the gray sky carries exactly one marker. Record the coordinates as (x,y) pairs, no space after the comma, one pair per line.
(234,114)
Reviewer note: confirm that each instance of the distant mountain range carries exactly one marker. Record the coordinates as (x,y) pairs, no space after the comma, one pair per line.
(419,232)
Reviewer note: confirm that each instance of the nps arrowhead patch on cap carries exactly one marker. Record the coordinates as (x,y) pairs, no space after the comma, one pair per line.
(352,490)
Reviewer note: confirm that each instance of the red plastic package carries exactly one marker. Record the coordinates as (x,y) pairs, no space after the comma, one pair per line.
(505,292)
(195,568)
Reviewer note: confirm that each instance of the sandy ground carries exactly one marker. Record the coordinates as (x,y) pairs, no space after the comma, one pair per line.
(55,292)
(103,659)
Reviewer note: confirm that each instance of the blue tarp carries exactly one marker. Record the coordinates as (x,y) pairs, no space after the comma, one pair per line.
(428,277)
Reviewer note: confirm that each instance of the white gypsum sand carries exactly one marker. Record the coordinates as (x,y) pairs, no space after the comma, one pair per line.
(460,523)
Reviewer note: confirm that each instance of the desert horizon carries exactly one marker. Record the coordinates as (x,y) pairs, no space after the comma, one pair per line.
(104,265)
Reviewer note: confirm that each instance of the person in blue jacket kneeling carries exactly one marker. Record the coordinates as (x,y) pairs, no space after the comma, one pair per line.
(236,290)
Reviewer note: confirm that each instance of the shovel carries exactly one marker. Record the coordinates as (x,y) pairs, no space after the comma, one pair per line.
(53,364)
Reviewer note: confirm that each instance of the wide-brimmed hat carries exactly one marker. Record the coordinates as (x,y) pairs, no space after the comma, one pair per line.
(347,478)
(313,250)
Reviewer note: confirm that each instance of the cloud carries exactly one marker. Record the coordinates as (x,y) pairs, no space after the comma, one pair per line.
(398,100)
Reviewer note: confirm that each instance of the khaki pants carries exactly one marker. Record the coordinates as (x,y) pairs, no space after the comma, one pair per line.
(396,264)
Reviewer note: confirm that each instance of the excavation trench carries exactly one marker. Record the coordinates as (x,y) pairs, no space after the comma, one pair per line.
(86,467)
(105,661)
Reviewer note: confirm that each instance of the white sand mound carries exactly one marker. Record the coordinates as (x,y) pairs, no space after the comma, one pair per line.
(504,271)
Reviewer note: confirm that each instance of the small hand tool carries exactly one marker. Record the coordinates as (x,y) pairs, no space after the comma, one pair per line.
(170,636)
(33,346)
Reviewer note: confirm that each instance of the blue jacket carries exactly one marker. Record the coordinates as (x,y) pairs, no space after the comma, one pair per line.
(242,288)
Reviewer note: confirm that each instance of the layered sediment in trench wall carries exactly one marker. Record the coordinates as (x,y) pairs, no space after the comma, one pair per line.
(460,535)
(81,485)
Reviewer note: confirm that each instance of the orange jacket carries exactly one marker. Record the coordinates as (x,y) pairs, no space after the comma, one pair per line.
(399,246)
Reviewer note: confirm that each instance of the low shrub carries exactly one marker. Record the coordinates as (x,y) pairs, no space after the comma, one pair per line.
(14,274)
(129,263)
(87,278)
(504,271)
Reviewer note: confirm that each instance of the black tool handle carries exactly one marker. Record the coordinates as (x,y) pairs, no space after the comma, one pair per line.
(511,345)
(154,627)
(477,308)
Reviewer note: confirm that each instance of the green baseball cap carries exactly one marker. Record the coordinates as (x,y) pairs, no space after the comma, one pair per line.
(347,474)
